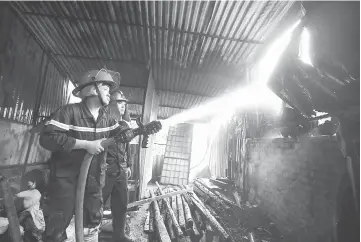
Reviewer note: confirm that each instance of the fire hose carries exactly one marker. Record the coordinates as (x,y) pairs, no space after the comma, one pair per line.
(79,202)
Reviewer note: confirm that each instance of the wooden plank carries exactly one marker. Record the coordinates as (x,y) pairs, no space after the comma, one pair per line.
(171,213)
(162,230)
(156,198)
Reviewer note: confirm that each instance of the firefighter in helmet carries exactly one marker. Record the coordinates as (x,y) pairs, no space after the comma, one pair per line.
(71,132)
(118,171)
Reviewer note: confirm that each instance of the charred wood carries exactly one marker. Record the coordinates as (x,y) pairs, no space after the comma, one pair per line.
(209,217)
(187,213)
(206,192)
(221,184)
(226,180)
(221,196)
(170,227)
(199,220)
(209,232)
(174,206)
(146,224)
(171,214)
(162,231)
(224,198)
(196,234)
(151,218)
(181,219)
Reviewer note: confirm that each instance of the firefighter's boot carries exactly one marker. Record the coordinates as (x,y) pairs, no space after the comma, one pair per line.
(119,229)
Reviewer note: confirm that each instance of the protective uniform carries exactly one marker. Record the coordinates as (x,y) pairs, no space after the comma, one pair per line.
(116,178)
(71,122)
(75,122)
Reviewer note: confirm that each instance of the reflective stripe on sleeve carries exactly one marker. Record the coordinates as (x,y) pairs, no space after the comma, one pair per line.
(81,129)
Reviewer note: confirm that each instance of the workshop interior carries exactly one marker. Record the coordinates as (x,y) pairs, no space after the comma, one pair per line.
(179,121)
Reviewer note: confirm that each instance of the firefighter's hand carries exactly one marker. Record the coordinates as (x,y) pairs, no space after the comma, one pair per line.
(95,147)
(127,170)
(153,127)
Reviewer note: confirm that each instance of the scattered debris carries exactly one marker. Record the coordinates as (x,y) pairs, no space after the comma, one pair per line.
(207,213)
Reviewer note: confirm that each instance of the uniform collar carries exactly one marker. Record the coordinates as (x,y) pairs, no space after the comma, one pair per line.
(86,114)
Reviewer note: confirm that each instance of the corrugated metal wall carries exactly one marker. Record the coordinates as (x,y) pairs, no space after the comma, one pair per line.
(14,145)
(28,81)
(218,153)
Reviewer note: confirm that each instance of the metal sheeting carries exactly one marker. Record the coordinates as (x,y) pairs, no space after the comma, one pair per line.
(194,47)
(177,155)
(165,112)
(135,110)
(14,144)
(134,95)
(26,68)
(170,99)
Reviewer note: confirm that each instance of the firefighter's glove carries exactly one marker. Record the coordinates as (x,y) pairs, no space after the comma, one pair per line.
(125,136)
(152,127)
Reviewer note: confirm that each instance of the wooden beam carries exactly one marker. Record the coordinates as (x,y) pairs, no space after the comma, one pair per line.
(162,230)
(171,213)
(156,198)
(149,113)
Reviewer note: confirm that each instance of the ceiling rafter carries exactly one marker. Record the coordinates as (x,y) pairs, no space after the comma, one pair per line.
(133,62)
(70,18)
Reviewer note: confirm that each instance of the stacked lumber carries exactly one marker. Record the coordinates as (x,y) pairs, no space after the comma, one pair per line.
(181,218)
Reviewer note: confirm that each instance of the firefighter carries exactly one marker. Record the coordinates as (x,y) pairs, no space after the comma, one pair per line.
(71,132)
(118,171)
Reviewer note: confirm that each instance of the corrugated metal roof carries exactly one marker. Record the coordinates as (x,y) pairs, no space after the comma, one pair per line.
(194,47)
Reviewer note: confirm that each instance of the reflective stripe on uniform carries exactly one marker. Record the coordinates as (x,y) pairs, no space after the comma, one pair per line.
(81,129)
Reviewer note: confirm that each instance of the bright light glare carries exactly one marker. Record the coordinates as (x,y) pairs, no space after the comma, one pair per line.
(273,55)
(72,98)
(304,53)
(250,97)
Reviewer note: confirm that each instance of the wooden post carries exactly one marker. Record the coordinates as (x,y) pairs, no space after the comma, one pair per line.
(196,234)
(187,213)
(162,231)
(150,107)
(151,218)
(181,219)
(170,227)
(14,226)
(198,218)
(146,224)
(171,213)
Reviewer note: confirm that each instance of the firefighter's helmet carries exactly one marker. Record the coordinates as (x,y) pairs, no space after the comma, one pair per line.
(118,95)
(92,77)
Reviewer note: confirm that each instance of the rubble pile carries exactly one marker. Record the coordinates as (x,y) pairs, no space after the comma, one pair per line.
(212,212)
(183,217)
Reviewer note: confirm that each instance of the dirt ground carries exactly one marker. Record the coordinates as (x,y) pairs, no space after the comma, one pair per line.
(238,222)
(134,227)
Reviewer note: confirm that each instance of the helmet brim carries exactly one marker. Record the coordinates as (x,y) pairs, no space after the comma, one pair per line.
(121,99)
(77,90)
